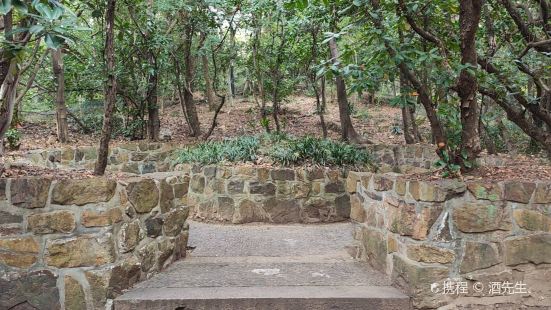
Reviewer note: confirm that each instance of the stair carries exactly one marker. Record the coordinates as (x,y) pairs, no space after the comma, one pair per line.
(267,267)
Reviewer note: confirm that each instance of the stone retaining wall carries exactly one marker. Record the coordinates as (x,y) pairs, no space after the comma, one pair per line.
(77,244)
(433,237)
(137,158)
(245,194)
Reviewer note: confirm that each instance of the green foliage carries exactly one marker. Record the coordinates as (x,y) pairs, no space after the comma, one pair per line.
(280,149)
(13,137)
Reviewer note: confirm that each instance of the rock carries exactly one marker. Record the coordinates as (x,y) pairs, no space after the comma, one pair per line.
(82,192)
(266,189)
(247,171)
(3,195)
(29,193)
(486,191)
(74,295)
(477,218)
(479,255)
(98,281)
(82,251)
(400,186)
(316,210)
(209,172)
(218,186)
(543,193)
(406,221)
(430,254)
(342,207)
(166,248)
(249,212)
(148,167)
(416,280)
(123,276)
(391,244)
(129,236)
(180,246)
(374,245)
(174,221)
(93,218)
(197,184)
(181,188)
(300,190)
(263,174)
(334,188)
(518,191)
(131,168)
(166,196)
(435,192)
(9,218)
(357,211)
(534,249)
(283,210)
(52,222)
(352,182)
(148,256)
(315,174)
(283,175)
(236,187)
(532,220)
(19,252)
(226,207)
(138,156)
(143,195)
(383,182)
(154,226)
(34,290)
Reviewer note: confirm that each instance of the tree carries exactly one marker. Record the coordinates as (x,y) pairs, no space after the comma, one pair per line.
(110,88)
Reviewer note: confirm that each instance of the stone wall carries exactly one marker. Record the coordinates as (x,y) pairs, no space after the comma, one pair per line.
(244,194)
(77,244)
(433,237)
(137,158)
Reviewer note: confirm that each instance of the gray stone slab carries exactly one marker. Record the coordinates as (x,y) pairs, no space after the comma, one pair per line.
(266,298)
(269,240)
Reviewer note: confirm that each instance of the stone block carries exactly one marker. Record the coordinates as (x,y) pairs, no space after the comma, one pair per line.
(166,199)
(123,276)
(75,298)
(374,244)
(534,249)
(129,236)
(9,218)
(518,191)
(154,226)
(82,251)
(143,195)
(148,256)
(543,193)
(94,218)
(405,220)
(485,191)
(138,156)
(174,221)
(435,191)
(19,252)
(34,290)
(283,210)
(259,188)
(479,255)
(357,211)
(532,220)
(52,222)
(249,212)
(98,281)
(236,187)
(477,218)
(383,182)
(342,207)
(430,254)
(316,210)
(30,193)
(334,188)
(226,208)
(283,175)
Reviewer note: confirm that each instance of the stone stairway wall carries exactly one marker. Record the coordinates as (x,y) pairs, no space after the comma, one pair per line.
(77,244)
(447,243)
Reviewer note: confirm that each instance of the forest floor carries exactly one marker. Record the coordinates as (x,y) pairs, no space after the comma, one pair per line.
(379,123)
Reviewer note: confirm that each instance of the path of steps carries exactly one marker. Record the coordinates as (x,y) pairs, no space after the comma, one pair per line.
(267,267)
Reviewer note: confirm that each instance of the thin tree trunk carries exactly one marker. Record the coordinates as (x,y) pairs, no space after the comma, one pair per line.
(348,132)
(469,18)
(110,89)
(154,122)
(189,103)
(61,108)
(209,92)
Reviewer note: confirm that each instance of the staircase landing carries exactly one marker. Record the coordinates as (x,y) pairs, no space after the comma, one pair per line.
(267,267)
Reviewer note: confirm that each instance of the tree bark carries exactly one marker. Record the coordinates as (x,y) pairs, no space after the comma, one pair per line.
(110,89)
(467,85)
(189,103)
(209,92)
(348,133)
(61,108)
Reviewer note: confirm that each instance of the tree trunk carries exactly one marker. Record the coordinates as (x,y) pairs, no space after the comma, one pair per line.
(469,18)
(348,132)
(61,108)
(209,92)
(110,89)
(154,123)
(189,103)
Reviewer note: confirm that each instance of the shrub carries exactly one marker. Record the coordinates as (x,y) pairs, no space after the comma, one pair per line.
(279,148)
(13,137)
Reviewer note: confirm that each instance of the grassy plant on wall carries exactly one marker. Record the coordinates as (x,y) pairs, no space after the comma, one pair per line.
(277,149)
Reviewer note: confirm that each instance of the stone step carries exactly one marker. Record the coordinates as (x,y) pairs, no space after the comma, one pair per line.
(265,298)
(267,267)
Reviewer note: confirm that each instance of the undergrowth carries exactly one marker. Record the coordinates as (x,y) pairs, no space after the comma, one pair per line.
(276,148)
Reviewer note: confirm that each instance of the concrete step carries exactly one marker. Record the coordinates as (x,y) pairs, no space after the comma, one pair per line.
(267,267)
